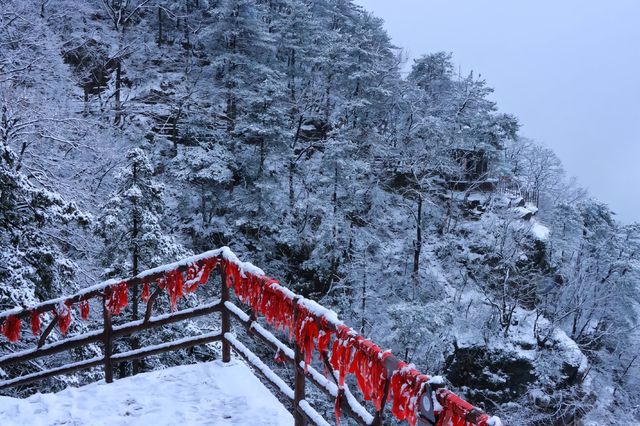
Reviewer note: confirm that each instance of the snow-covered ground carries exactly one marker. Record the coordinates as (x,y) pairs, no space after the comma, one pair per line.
(201,394)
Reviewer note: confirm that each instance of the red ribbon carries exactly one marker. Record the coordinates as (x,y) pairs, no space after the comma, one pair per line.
(63,312)
(35,322)
(117,298)
(84,309)
(11,328)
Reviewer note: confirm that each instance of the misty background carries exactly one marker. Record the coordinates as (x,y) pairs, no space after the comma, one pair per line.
(568,70)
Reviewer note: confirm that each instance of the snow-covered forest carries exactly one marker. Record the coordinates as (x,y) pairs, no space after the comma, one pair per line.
(136,132)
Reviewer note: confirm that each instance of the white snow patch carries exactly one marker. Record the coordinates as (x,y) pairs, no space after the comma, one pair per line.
(436,380)
(494,421)
(313,414)
(540,231)
(207,393)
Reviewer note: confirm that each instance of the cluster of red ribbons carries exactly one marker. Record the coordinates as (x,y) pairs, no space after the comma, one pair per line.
(350,353)
(407,387)
(172,281)
(117,298)
(35,323)
(84,309)
(268,298)
(458,412)
(280,308)
(11,328)
(63,313)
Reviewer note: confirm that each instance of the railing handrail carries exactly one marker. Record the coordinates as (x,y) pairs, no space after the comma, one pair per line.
(95,290)
(312,324)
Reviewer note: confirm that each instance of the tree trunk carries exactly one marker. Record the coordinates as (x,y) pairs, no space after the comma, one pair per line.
(364,301)
(418,246)
(117,94)
(292,166)
(160,37)
(135,257)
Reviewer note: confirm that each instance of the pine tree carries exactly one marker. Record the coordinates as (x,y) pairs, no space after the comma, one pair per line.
(131,228)
(131,223)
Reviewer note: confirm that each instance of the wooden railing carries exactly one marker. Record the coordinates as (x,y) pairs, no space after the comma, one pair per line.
(511,187)
(196,269)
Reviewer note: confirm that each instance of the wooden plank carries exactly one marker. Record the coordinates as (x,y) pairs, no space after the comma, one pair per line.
(260,367)
(311,415)
(52,348)
(150,302)
(167,347)
(65,369)
(47,331)
(226,323)
(118,331)
(299,382)
(107,338)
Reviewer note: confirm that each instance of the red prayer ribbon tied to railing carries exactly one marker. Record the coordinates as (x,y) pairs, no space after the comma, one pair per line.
(174,285)
(84,309)
(35,323)
(458,412)
(352,353)
(63,313)
(407,386)
(198,273)
(11,328)
(117,297)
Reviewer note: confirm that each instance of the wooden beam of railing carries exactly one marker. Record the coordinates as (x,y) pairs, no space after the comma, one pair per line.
(118,331)
(152,299)
(121,357)
(299,385)
(226,325)
(175,345)
(311,415)
(107,339)
(52,348)
(65,369)
(47,331)
(260,366)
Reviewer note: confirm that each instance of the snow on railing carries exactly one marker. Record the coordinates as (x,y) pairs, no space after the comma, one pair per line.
(379,375)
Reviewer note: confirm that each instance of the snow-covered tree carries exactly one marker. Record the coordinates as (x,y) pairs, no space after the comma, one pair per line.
(131,224)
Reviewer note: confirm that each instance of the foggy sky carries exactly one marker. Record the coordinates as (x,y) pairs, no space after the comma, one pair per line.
(568,69)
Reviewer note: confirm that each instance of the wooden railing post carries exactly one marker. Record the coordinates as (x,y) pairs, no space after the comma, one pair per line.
(107,340)
(226,321)
(299,379)
(379,417)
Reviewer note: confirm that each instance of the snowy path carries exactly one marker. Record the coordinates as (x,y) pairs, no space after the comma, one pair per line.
(200,394)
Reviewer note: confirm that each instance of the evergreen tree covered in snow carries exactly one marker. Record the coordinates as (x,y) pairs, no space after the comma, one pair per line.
(131,224)
(34,265)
